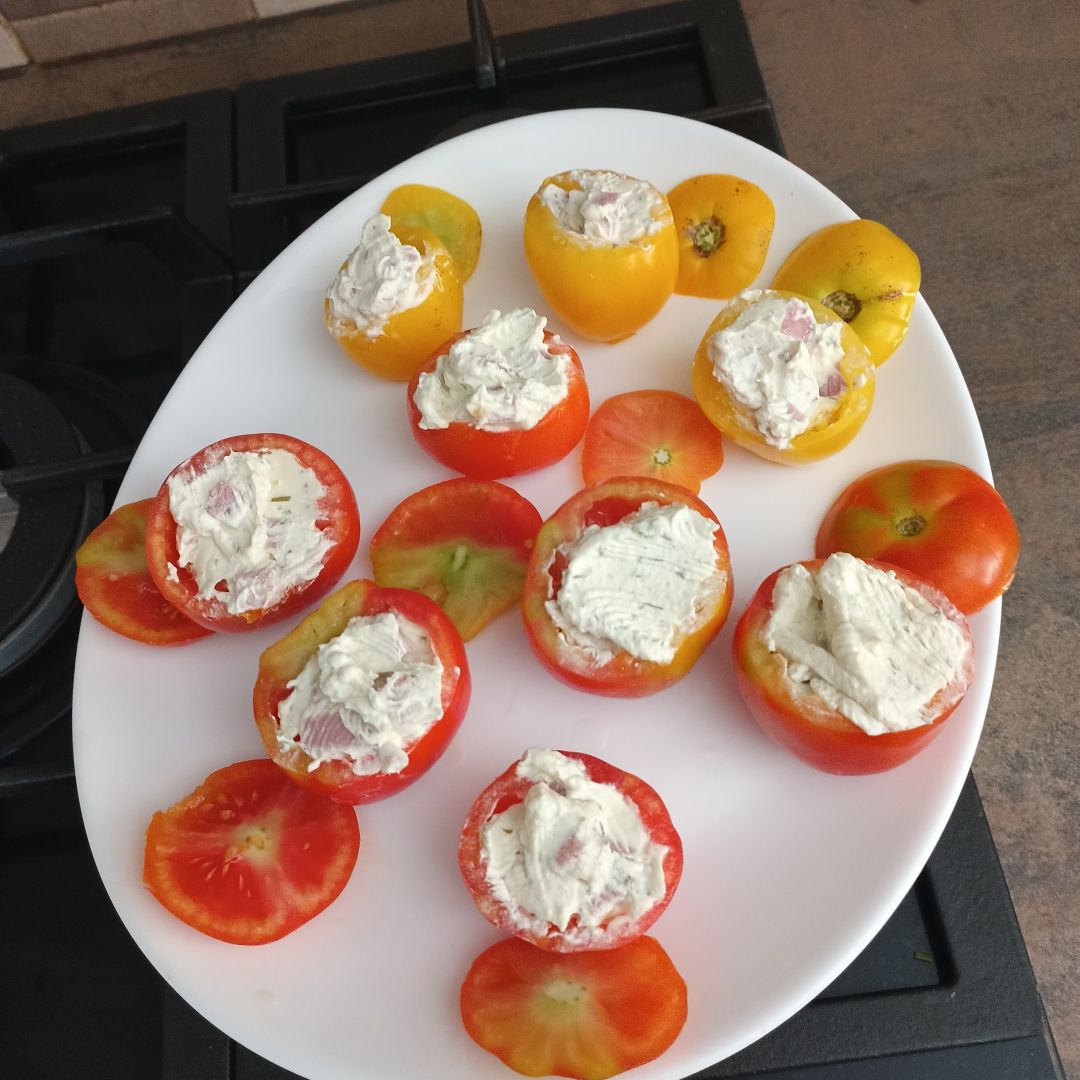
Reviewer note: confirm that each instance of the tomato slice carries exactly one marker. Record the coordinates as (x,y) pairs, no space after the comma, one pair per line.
(490,455)
(338,522)
(248,856)
(511,788)
(451,219)
(937,519)
(287,658)
(801,721)
(624,675)
(725,225)
(654,433)
(584,1015)
(114,584)
(463,543)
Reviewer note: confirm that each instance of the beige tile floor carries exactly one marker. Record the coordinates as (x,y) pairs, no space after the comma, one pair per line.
(959,125)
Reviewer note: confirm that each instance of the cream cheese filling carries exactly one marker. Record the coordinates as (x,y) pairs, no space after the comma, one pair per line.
(608,209)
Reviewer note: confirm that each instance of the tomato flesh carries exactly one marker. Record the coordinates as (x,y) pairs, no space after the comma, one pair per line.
(283,662)
(583,1015)
(464,544)
(802,723)
(248,856)
(491,455)
(339,520)
(115,586)
(508,789)
(623,675)
(654,433)
(938,519)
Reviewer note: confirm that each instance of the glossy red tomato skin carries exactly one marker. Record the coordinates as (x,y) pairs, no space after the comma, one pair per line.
(624,676)
(508,789)
(492,455)
(627,1008)
(248,857)
(807,727)
(284,660)
(115,587)
(938,519)
(341,521)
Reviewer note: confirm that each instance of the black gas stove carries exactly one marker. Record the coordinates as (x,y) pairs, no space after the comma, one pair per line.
(124,236)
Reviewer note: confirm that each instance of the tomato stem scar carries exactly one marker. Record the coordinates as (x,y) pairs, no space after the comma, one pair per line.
(564,991)
(846,305)
(911,525)
(706,236)
(662,456)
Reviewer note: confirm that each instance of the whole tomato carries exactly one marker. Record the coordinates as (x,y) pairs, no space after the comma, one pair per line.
(800,721)
(937,519)
(604,291)
(284,660)
(737,422)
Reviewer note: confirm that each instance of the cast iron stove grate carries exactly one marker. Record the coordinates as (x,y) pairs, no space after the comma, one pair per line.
(161,212)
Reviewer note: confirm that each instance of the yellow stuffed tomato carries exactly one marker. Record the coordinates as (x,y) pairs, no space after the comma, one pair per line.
(783,377)
(603,249)
(395,299)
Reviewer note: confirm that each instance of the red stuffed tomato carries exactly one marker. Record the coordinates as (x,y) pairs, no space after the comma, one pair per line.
(380,684)
(242,503)
(534,839)
(115,587)
(483,440)
(588,588)
(800,720)
(248,857)
(937,519)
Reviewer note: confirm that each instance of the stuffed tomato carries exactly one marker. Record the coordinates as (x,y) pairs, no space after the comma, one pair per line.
(850,664)
(570,853)
(363,697)
(628,583)
(249,530)
(504,398)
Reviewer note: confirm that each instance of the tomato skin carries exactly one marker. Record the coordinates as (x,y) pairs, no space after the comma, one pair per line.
(342,524)
(248,857)
(866,266)
(582,1015)
(491,455)
(744,216)
(451,219)
(463,543)
(509,788)
(938,519)
(804,724)
(410,335)
(654,433)
(604,293)
(285,659)
(624,675)
(114,584)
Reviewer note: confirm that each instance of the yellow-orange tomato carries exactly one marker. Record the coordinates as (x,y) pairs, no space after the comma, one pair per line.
(864,273)
(409,337)
(603,291)
(736,421)
(451,219)
(724,224)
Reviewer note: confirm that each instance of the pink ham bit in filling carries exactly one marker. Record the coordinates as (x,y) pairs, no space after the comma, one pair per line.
(222,501)
(798,321)
(833,386)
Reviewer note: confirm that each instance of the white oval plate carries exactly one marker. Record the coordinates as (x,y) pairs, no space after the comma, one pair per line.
(789,872)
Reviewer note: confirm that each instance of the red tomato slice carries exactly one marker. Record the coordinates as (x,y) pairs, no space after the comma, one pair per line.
(624,675)
(463,543)
(490,455)
(584,1015)
(937,519)
(284,661)
(510,788)
(248,856)
(802,723)
(655,433)
(115,587)
(340,522)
